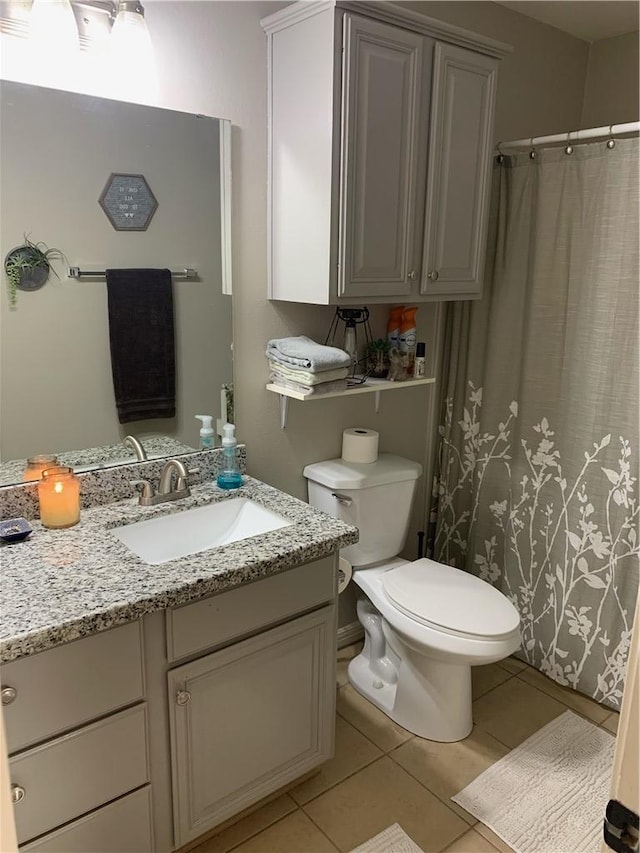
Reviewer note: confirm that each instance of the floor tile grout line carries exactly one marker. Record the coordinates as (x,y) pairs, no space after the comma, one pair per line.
(377,746)
(562,702)
(335,843)
(258,831)
(435,794)
(338,782)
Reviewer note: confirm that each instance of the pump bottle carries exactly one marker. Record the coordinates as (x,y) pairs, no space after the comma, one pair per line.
(230,476)
(206,432)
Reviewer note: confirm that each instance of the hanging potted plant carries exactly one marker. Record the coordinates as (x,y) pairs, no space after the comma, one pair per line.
(28,267)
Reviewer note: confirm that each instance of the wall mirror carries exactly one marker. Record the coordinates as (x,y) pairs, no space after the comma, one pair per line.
(58,150)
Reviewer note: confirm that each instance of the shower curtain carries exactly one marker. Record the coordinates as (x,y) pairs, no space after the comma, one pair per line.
(536,482)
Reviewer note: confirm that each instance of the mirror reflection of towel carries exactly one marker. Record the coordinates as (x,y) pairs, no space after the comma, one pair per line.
(141,334)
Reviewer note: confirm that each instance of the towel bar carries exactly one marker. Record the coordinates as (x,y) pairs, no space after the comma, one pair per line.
(76,272)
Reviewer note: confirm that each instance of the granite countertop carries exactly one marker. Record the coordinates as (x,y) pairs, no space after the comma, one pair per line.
(159,446)
(60,585)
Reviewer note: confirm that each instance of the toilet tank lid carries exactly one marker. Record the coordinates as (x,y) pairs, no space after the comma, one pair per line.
(338,474)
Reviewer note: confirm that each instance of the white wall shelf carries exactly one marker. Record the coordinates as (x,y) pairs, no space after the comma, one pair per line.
(371,386)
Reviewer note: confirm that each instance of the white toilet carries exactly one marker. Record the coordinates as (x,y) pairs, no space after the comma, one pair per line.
(426,624)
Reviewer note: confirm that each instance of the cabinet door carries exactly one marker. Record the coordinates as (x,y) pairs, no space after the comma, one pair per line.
(250,718)
(459,172)
(384,102)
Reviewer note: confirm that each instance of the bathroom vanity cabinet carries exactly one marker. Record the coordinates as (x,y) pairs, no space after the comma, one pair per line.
(380,134)
(143,737)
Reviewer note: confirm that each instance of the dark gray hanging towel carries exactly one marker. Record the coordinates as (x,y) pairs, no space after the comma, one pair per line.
(142,343)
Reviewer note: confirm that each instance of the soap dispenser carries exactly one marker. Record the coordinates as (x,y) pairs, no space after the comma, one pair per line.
(206,432)
(230,476)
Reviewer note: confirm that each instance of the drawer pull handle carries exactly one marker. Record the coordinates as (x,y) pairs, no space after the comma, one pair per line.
(183,697)
(18,794)
(433,275)
(9,695)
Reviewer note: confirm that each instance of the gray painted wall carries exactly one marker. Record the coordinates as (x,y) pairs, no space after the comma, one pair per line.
(611,87)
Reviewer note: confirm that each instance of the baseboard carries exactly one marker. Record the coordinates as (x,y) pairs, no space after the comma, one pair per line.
(350,633)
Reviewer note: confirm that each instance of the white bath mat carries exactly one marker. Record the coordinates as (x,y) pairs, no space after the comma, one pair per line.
(391,840)
(549,794)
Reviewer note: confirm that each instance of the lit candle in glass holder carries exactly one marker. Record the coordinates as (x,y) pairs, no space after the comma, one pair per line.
(59,497)
(36,465)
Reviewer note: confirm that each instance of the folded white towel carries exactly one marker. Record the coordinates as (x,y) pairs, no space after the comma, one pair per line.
(322,388)
(306,377)
(305,353)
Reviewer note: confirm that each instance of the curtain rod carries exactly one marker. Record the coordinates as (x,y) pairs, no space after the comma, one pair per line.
(571,136)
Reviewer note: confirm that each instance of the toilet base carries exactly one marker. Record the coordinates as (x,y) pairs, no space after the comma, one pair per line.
(428,697)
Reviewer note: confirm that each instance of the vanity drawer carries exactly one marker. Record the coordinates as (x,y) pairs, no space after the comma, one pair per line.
(69,685)
(120,827)
(225,617)
(78,772)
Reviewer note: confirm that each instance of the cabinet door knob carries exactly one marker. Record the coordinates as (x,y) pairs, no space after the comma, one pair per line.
(18,794)
(412,275)
(9,695)
(433,275)
(183,697)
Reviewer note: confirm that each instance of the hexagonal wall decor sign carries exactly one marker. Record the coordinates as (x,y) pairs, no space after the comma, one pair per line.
(128,202)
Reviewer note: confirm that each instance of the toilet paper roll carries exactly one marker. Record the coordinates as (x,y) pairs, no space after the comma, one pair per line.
(345,572)
(360,445)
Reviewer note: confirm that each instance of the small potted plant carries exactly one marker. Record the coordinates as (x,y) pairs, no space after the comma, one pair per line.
(378,352)
(28,267)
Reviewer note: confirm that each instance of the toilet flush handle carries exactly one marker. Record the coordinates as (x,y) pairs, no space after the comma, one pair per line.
(345,500)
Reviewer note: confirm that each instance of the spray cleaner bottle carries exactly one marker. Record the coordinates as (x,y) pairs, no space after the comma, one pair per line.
(206,432)
(230,476)
(393,326)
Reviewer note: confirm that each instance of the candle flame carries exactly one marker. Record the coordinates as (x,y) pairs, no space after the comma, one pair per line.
(58,487)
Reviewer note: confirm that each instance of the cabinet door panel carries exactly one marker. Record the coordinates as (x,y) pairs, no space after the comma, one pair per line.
(459,172)
(253,717)
(381,162)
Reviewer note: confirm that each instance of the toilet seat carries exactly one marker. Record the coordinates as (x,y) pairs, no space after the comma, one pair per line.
(449,600)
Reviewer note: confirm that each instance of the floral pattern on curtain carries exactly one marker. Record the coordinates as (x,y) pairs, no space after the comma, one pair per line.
(536,486)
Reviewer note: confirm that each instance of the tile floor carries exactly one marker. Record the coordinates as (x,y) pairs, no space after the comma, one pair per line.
(382,774)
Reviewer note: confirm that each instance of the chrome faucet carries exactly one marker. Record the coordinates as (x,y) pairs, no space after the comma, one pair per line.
(136,446)
(166,490)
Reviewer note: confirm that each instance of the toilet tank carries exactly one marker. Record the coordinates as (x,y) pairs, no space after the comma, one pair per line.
(375,497)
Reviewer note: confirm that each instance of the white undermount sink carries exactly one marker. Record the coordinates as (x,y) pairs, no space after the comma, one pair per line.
(180,534)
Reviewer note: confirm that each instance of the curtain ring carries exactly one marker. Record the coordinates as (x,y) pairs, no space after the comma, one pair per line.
(568,147)
(532,152)
(611,143)
(500,155)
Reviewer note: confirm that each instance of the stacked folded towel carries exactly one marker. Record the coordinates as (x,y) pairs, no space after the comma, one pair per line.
(301,364)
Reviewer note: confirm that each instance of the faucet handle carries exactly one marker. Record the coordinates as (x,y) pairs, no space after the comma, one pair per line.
(147,488)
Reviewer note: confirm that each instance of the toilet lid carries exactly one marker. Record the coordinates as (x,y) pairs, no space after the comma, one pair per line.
(448,598)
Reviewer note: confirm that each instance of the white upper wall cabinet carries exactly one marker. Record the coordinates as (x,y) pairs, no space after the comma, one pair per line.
(379,154)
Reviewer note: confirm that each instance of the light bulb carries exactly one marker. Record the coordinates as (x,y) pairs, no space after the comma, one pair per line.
(52,26)
(54,46)
(132,54)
